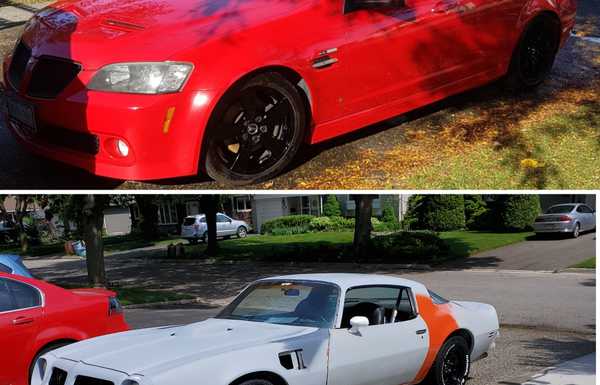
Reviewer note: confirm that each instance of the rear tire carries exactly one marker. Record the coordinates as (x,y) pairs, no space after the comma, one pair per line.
(256,132)
(534,55)
(452,364)
(256,382)
(576,231)
(42,352)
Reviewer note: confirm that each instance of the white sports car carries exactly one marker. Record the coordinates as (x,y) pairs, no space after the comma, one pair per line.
(317,329)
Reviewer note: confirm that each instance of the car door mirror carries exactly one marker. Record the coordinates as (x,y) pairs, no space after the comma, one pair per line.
(357,323)
(352,5)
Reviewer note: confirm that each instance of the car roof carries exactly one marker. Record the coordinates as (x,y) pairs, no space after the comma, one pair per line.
(348,280)
(12,257)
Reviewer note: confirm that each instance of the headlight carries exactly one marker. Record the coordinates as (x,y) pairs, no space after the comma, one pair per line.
(142,78)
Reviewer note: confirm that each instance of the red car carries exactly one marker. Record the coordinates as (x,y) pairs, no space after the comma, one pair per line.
(36,317)
(150,89)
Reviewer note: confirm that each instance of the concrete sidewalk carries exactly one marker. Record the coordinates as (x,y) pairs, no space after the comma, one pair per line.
(580,371)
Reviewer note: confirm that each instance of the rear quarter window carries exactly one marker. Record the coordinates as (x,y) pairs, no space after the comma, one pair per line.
(437,299)
(189,221)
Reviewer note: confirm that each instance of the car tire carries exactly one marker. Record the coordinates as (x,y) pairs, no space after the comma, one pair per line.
(242,232)
(534,55)
(452,364)
(44,351)
(576,231)
(266,148)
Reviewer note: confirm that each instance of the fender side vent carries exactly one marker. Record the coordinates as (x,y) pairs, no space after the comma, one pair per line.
(286,360)
(292,359)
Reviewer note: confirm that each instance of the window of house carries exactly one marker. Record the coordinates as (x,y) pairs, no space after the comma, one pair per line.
(192,208)
(167,213)
(243,204)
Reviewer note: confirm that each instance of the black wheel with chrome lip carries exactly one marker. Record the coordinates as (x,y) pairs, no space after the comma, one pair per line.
(257,132)
(452,364)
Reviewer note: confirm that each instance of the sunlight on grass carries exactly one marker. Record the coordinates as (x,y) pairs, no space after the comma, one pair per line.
(587,264)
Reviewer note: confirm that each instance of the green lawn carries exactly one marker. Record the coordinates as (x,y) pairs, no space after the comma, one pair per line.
(587,264)
(542,155)
(131,296)
(337,245)
(465,243)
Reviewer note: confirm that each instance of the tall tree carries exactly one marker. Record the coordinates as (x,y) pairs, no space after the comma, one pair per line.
(92,222)
(22,203)
(362,226)
(210,205)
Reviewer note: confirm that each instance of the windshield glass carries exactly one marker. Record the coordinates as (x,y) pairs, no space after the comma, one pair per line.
(560,209)
(299,303)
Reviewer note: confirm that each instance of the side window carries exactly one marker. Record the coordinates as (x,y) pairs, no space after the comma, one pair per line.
(222,218)
(24,296)
(380,304)
(5,269)
(585,209)
(6,301)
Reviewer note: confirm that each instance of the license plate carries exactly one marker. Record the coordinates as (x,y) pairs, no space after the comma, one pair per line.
(20,111)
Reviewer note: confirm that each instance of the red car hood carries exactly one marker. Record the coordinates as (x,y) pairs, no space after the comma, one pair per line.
(99,32)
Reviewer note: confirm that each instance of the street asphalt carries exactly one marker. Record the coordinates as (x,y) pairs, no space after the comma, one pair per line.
(549,253)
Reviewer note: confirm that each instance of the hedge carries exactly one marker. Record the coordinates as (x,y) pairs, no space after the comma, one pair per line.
(442,212)
(517,212)
(425,246)
(287,222)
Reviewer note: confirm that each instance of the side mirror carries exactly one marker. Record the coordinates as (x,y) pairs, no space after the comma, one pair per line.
(358,322)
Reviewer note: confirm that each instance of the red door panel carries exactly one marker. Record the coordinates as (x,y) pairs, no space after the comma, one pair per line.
(18,330)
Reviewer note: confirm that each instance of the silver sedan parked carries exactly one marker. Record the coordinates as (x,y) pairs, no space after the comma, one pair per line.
(194,227)
(572,218)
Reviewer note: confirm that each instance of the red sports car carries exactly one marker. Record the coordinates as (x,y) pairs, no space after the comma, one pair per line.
(150,89)
(36,317)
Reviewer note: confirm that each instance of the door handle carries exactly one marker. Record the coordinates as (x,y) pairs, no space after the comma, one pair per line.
(421,331)
(22,320)
(444,6)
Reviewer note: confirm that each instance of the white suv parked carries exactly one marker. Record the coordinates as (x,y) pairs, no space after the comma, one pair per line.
(194,227)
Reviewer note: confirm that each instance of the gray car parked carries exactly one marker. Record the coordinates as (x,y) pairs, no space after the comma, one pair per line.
(194,227)
(572,218)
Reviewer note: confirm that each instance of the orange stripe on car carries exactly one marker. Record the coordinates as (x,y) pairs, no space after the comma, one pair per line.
(440,324)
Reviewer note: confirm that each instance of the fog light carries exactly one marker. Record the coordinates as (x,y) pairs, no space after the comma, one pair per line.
(123,148)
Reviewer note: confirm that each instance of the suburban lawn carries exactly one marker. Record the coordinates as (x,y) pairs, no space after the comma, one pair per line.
(587,264)
(465,243)
(329,246)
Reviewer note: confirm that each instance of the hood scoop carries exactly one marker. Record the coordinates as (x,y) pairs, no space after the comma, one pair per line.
(123,25)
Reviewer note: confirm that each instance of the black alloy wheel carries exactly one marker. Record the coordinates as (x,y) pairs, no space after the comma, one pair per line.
(258,133)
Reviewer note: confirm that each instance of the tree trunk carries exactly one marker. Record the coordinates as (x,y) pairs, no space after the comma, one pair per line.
(20,211)
(93,224)
(362,227)
(209,207)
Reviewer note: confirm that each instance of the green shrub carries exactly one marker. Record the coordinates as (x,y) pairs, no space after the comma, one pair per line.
(331,207)
(388,215)
(477,213)
(318,224)
(409,246)
(290,221)
(411,217)
(517,212)
(442,212)
(290,230)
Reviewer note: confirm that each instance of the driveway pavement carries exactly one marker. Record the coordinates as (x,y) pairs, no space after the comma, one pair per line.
(548,253)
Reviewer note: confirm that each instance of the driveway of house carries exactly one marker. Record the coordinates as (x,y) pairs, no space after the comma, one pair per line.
(545,254)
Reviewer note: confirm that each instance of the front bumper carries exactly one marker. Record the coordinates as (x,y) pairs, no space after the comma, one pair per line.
(553,227)
(81,128)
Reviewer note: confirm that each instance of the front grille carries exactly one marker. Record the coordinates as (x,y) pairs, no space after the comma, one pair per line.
(50,76)
(84,380)
(59,377)
(77,141)
(18,64)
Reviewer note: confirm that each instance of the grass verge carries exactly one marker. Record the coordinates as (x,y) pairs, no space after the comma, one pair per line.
(587,264)
(465,243)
